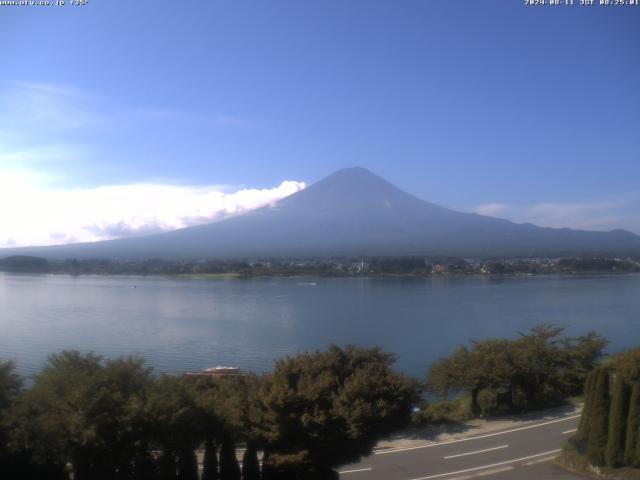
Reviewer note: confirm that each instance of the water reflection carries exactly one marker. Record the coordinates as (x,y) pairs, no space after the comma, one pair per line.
(183,325)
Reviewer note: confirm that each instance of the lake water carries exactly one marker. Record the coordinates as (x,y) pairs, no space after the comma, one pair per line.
(180,325)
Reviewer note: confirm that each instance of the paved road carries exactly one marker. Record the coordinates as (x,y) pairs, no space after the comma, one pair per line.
(524,452)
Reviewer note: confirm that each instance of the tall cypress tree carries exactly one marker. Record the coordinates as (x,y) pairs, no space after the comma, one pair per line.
(167,467)
(82,469)
(633,427)
(250,464)
(617,422)
(589,393)
(267,469)
(187,465)
(636,461)
(599,419)
(210,461)
(145,467)
(229,467)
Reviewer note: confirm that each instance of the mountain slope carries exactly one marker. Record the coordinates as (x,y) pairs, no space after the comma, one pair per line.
(353,212)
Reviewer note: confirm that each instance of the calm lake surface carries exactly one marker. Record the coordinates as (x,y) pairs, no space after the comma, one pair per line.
(180,325)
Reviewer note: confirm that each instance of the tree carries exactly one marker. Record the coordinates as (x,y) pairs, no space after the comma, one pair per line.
(86,411)
(324,409)
(210,461)
(231,404)
(632,428)
(599,419)
(178,425)
(581,355)
(10,388)
(60,408)
(250,464)
(617,422)
(24,264)
(610,423)
(450,373)
(14,463)
(589,395)
(536,369)
(627,364)
(10,384)
(229,467)
(187,464)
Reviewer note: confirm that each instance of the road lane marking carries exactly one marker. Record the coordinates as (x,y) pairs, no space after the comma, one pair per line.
(448,442)
(570,431)
(541,460)
(356,470)
(494,471)
(477,451)
(499,464)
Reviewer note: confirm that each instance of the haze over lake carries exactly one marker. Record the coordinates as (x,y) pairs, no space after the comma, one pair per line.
(189,324)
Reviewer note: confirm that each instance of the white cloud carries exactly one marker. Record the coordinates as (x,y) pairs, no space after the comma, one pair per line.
(491,209)
(33,213)
(31,110)
(607,214)
(170,114)
(48,132)
(44,123)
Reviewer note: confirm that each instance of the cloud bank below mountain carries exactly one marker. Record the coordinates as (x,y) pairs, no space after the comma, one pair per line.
(36,214)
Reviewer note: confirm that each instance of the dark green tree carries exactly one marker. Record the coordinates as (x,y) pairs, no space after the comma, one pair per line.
(10,388)
(232,406)
(589,395)
(167,466)
(10,385)
(580,357)
(178,424)
(536,369)
(627,364)
(617,422)
(229,466)
(324,409)
(61,408)
(86,411)
(187,464)
(250,464)
(636,461)
(633,427)
(210,461)
(267,471)
(599,419)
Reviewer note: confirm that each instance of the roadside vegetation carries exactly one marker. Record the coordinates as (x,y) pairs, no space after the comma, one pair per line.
(539,369)
(114,419)
(608,436)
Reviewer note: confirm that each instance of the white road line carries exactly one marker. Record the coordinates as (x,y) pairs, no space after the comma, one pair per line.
(356,470)
(506,462)
(541,460)
(570,431)
(494,471)
(477,451)
(448,442)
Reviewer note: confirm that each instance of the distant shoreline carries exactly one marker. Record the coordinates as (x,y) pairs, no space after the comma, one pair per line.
(401,267)
(237,276)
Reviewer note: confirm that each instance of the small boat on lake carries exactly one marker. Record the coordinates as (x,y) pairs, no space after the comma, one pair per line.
(217,372)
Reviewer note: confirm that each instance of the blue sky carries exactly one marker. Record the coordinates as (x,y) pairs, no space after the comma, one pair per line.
(530,113)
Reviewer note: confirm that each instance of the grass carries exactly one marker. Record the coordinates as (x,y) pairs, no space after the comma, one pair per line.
(451,411)
(458,410)
(575,460)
